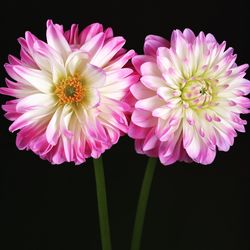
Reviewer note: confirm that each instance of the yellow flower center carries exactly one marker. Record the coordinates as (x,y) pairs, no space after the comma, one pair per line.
(70,90)
(197,93)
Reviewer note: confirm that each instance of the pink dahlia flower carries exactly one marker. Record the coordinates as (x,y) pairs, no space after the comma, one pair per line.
(189,98)
(69,92)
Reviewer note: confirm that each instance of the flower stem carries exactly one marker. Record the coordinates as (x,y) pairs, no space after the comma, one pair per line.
(102,204)
(142,204)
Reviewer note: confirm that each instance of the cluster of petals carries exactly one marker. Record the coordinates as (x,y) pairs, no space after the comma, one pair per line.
(69,92)
(189,98)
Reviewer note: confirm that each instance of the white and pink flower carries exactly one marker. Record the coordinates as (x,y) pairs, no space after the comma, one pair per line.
(189,98)
(69,92)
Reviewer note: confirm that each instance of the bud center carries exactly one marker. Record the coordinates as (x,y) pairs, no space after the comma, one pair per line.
(197,93)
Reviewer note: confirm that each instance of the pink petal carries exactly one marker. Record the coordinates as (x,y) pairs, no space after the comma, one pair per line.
(120,61)
(153,82)
(150,141)
(94,45)
(72,34)
(137,132)
(149,104)
(150,68)
(57,41)
(152,43)
(108,51)
(189,35)
(143,118)
(139,60)
(139,91)
(89,32)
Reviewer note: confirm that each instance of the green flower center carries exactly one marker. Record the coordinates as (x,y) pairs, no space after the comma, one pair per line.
(197,93)
(69,91)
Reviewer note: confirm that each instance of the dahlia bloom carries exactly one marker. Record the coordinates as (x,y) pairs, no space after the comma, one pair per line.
(189,98)
(69,92)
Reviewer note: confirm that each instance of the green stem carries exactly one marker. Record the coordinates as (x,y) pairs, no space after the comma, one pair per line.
(142,204)
(102,204)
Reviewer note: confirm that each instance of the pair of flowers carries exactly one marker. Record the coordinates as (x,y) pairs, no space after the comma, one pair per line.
(78,93)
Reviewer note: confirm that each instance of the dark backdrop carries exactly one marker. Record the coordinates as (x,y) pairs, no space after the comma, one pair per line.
(191,207)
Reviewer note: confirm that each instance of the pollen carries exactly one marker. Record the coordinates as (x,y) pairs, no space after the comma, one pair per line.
(70,90)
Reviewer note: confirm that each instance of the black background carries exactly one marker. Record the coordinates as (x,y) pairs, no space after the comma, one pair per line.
(191,207)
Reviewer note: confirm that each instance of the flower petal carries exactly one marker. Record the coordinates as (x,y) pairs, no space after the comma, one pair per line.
(57,41)
(108,51)
(152,82)
(149,104)
(140,59)
(152,43)
(53,129)
(89,32)
(94,76)
(35,101)
(76,63)
(139,91)
(143,118)
(36,78)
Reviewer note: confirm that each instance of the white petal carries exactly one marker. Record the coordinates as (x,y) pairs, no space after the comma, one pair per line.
(35,101)
(94,76)
(53,129)
(36,78)
(65,121)
(76,62)
(94,98)
(50,60)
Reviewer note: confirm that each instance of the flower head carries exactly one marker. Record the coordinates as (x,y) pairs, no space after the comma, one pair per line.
(69,92)
(189,98)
